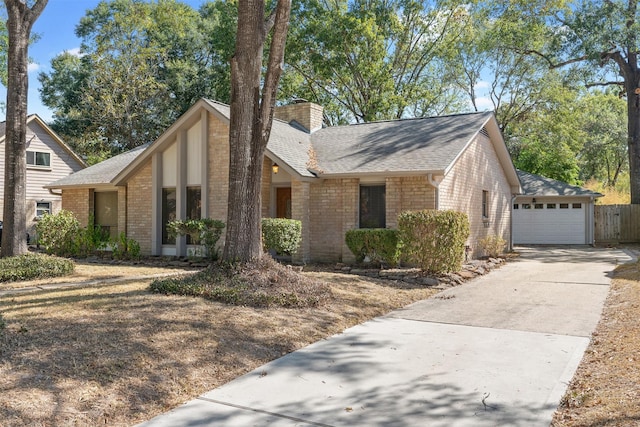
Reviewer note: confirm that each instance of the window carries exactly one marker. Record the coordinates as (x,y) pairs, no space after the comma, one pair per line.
(168,213)
(485,204)
(194,206)
(37,158)
(564,205)
(551,205)
(105,211)
(372,206)
(526,206)
(577,206)
(42,208)
(538,206)
(515,206)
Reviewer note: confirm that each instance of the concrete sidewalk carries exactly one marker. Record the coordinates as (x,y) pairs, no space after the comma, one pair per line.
(496,351)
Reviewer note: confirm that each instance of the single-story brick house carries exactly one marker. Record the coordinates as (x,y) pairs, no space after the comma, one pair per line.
(332,179)
(552,212)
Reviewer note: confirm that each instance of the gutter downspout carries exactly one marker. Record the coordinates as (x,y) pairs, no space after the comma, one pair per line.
(435,185)
(54,193)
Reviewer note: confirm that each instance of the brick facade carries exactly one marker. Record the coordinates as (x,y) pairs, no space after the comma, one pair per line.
(476,170)
(328,208)
(139,208)
(307,114)
(78,202)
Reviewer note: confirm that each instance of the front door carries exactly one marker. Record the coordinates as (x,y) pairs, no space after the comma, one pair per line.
(283,202)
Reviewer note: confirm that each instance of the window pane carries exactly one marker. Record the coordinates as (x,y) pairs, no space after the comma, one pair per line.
(538,206)
(168,213)
(485,204)
(564,205)
(194,209)
(31,158)
(372,206)
(43,159)
(194,205)
(43,208)
(105,211)
(515,206)
(577,206)
(526,206)
(551,205)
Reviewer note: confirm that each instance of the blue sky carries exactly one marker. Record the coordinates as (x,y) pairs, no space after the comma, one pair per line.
(56,27)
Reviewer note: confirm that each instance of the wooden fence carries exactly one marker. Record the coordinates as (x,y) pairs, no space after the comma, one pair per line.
(617,223)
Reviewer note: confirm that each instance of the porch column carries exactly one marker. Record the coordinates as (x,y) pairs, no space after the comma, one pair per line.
(181,189)
(156,203)
(300,210)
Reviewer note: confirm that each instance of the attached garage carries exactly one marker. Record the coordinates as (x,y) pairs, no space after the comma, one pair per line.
(551,212)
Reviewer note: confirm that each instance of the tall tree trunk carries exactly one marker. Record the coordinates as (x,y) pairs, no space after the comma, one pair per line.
(250,124)
(633,117)
(19,24)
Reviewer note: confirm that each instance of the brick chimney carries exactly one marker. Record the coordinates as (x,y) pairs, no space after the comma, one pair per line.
(307,114)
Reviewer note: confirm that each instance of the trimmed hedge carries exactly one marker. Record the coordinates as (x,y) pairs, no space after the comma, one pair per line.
(281,234)
(434,240)
(379,244)
(205,231)
(57,234)
(33,266)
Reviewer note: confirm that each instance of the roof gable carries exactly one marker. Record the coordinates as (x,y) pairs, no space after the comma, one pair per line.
(35,119)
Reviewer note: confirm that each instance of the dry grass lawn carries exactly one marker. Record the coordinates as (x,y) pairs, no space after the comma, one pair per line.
(605,390)
(116,354)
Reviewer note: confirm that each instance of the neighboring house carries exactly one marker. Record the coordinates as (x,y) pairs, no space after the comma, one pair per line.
(332,179)
(552,212)
(48,158)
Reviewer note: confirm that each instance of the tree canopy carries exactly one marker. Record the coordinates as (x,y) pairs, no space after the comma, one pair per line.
(540,65)
(140,66)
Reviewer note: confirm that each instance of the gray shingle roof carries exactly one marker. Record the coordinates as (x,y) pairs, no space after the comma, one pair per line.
(287,142)
(100,173)
(537,185)
(410,145)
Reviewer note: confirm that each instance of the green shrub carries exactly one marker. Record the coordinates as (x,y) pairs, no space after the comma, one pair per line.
(493,245)
(379,244)
(125,248)
(57,234)
(89,240)
(433,240)
(205,231)
(33,266)
(281,234)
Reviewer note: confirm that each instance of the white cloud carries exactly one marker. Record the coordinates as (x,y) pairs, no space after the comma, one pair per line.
(482,84)
(33,67)
(484,104)
(75,52)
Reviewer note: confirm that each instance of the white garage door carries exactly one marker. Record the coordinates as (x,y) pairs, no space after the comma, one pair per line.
(549,223)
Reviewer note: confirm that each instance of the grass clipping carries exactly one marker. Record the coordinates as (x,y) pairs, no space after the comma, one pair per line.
(259,283)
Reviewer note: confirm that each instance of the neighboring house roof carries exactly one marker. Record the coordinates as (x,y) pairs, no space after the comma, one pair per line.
(411,145)
(538,185)
(101,173)
(36,119)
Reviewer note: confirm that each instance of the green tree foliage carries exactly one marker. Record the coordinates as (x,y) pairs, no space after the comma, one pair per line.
(141,65)
(367,60)
(598,39)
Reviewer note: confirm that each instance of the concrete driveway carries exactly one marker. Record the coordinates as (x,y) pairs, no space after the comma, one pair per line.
(496,351)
